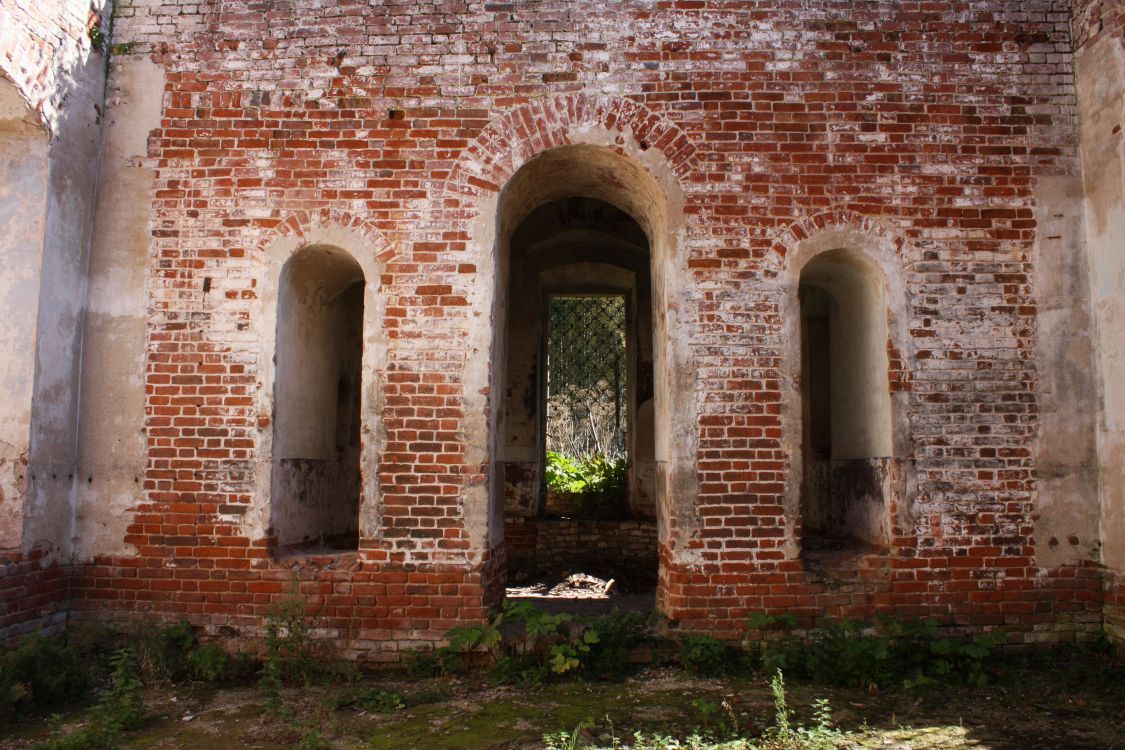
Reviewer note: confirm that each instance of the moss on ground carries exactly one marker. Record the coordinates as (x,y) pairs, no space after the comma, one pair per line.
(1053,705)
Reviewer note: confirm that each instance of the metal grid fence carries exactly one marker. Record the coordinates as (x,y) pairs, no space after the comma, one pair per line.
(586,375)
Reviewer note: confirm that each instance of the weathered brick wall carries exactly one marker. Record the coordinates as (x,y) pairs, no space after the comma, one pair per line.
(623,549)
(1094,18)
(40,45)
(33,595)
(921,126)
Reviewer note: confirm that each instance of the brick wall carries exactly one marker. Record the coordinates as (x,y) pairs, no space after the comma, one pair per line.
(922,127)
(621,549)
(33,594)
(40,45)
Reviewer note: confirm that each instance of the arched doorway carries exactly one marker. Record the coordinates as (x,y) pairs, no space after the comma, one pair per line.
(582,243)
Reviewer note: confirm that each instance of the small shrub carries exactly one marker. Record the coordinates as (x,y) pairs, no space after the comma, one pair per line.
(598,482)
(164,652)
(289,646)
(535,646)
(434,663)
(123,704)
(704,655)
(380,701)
(619,634)
(289,649)
(863,654)
(175,653)
(120,709)
(783,735)
(41,673)
(716,719)
(312,739)
(210,663)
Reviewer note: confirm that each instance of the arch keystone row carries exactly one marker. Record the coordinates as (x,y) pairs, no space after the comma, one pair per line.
(511,140)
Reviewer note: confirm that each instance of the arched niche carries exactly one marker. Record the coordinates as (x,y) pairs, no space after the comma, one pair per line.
(850,258)
(315,463)
(847,440)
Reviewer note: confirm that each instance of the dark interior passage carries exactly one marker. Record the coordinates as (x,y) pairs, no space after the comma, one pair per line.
(579,455)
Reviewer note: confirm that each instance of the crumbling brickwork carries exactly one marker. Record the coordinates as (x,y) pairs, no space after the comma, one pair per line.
(746,138)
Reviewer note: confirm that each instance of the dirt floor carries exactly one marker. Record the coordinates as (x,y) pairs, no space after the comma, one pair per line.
(581,593)
(1065,704)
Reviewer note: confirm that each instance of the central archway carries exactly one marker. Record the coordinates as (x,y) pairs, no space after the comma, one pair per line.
(611,228)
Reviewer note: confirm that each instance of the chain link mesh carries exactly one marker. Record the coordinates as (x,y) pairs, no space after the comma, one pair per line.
(586,376)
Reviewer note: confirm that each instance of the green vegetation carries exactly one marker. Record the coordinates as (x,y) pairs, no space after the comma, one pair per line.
(523,644)
(873,654)
(175,653)
(567,670)
(783,734)
(120,708)
(704,655)
(598,483)
(40,673)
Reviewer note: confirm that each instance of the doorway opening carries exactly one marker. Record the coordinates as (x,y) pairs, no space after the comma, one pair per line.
(586,410)
(580,504)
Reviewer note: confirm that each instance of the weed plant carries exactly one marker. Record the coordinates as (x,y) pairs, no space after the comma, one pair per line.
(783,734)
(596,481)
(705,656)
(120,709)
(883,653)
(41,673)
(619,635)
(290,657)
(527,645)
(175,653)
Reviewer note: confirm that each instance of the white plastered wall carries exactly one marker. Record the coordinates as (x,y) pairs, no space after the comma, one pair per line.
(1100,79)
(23,205)
(112,450)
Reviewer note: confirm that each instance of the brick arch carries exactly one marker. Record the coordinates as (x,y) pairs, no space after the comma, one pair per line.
(647,162)
(305,226)
(786,243)
(875,240)
(509,141)
(361,240)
